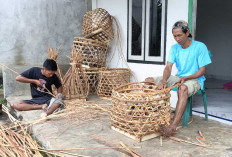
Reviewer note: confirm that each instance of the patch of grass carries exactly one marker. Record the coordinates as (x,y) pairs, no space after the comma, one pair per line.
(3,101)
(1,86)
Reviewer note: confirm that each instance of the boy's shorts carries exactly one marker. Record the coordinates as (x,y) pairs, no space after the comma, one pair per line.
(193,85)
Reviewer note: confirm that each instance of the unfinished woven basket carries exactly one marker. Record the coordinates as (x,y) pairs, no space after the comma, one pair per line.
(140,109)
(93,52)
(53,54)
(75,83)
(110,79)
(97,25)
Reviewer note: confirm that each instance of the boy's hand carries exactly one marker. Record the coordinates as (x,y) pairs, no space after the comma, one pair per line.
(38,83)
(59,96)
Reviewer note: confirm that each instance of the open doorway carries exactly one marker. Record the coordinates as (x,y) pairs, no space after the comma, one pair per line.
(214,28)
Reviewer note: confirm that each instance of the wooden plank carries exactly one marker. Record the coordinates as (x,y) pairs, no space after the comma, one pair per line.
(144,138)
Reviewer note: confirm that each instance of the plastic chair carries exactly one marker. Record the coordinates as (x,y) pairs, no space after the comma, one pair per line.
(188,109)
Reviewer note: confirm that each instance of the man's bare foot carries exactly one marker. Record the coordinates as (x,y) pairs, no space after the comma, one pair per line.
(44,107)
(168,131)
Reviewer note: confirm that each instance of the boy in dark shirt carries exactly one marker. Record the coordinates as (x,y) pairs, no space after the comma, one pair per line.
(40,80)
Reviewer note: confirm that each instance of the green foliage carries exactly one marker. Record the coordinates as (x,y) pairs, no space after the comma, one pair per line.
(1,86)
(3,101)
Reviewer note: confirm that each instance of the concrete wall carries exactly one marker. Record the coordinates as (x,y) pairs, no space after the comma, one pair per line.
(28,27)
(177,10)
(214,29)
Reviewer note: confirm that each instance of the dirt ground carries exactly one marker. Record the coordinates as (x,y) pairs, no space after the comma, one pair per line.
(217,137)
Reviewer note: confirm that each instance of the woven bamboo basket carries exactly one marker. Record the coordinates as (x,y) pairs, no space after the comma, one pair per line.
(140,109)
(110,79)
(75,83)
(92,75)
(93,52)
(97,25)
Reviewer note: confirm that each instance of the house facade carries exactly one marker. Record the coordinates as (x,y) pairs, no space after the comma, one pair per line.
(146,38)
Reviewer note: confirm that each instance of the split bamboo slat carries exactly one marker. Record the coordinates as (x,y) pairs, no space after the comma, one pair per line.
(75,83)
(93,52)
(140,109)
(97,25)
(110,79)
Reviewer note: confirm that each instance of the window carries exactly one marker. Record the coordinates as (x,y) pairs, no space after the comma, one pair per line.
(146,31)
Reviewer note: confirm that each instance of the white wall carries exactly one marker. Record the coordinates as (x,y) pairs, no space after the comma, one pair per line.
(177,10)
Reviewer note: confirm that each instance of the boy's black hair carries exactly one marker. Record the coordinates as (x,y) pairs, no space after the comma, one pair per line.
(50,64)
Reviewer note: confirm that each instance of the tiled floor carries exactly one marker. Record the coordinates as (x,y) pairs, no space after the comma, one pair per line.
(219,100)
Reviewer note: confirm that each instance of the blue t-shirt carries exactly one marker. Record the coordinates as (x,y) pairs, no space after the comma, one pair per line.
(190,60)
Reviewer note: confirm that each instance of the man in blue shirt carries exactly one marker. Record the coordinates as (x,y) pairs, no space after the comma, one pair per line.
(190,58)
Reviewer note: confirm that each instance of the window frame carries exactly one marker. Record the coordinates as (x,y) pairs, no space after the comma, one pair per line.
(145,58)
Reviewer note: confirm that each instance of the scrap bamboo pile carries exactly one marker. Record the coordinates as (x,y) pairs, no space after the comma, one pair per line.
(18,144)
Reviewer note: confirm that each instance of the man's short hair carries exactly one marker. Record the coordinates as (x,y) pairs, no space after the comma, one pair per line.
(50,64)
(182,25)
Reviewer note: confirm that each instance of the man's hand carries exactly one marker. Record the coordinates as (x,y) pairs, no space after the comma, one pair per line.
(162,85)
(149,79)
(182,80)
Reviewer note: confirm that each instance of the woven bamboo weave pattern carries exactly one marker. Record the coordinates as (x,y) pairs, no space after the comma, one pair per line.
(75,83)
(92,77)
(110,79)
(93,52)
(140,109)
(97,25)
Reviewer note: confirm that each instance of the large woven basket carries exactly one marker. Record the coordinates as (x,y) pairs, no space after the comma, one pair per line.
(93,52)
(110,79)
(97,25)
(139,109)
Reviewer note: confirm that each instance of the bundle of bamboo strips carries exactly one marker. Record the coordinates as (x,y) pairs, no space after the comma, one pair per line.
(53,54)
(75,83)
(18,144)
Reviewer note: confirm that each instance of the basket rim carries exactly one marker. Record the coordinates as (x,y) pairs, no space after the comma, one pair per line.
(154,91)
(88,39)
(109,70)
